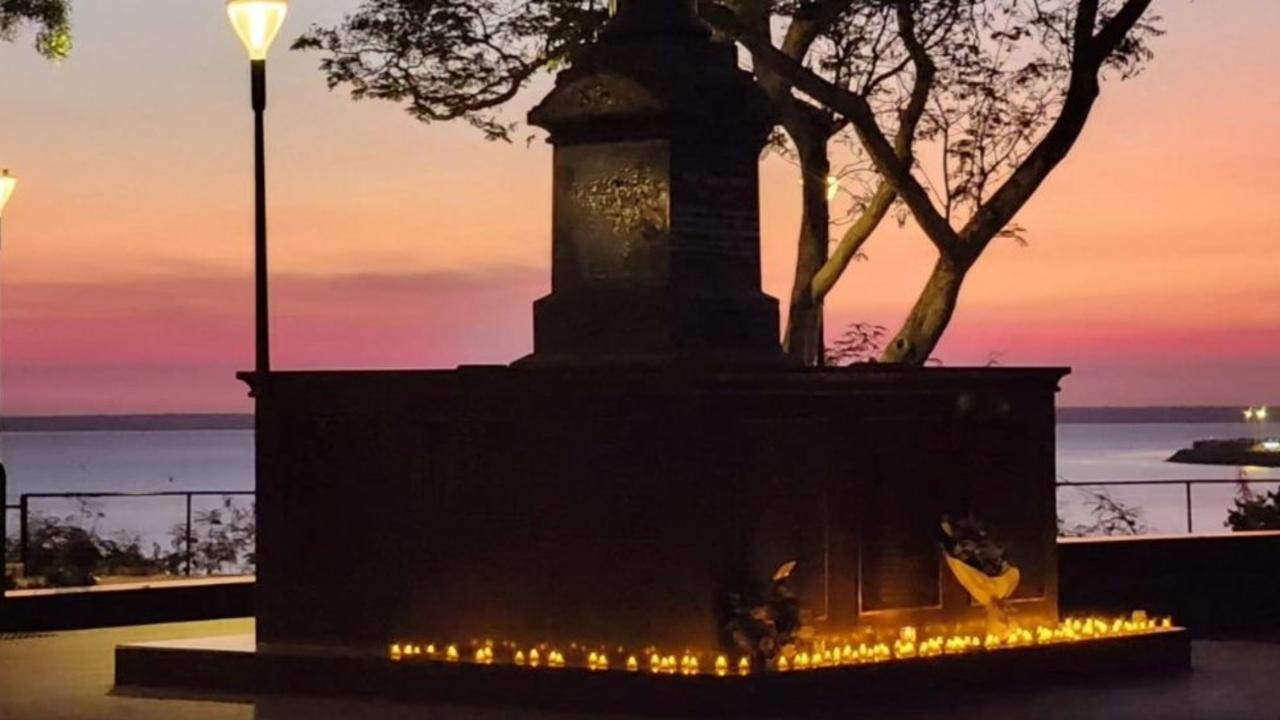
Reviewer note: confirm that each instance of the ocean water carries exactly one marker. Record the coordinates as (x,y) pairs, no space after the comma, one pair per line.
(1128,452)
(107,461)
(222,460)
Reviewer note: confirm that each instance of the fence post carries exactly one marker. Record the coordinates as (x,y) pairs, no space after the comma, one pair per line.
(22,532)
(188,534)
(1188,486)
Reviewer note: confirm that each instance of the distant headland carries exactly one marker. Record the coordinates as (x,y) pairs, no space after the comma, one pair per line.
(244,421)
(127,423)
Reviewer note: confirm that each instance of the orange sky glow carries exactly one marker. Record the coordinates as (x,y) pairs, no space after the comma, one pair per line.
(1153,266)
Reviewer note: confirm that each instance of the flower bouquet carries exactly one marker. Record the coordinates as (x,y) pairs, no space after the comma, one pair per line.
(979,565)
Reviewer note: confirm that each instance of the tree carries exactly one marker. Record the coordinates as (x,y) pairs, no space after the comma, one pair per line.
(1009,109)
(1002,89)
(52,19)
(860,46)
(454,59)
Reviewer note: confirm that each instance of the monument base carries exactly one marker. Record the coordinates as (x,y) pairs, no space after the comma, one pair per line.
(634,506)
(232,667)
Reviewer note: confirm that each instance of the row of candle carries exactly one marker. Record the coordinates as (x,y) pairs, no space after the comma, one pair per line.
(821,654)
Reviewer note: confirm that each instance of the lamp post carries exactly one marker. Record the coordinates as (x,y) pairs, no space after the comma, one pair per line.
(8,184)
(257,22)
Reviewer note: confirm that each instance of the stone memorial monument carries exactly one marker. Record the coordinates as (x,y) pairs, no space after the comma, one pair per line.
(655,455)
(655,491)
(655,240)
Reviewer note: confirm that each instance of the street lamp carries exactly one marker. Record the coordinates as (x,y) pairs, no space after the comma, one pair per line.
(257,22)
(8,184)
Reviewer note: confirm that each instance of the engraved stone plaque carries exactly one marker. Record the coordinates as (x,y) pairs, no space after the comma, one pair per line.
(610,222)
(900,562)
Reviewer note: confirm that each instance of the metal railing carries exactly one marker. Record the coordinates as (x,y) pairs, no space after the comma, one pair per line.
(23,507)
(24,511)
(1187,485)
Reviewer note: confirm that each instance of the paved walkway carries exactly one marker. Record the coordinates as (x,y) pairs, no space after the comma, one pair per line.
(69,675)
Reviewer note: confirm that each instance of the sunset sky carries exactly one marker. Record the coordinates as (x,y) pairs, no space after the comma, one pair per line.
(1153,267)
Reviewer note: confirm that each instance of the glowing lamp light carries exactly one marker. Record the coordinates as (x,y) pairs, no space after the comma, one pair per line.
(722,666)
(8,184)
(257,22)
(1260,414)
(833,187)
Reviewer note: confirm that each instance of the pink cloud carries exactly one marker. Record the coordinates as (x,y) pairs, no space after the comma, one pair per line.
(172,344)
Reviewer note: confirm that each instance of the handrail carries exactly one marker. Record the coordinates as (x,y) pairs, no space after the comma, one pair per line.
(1212,481)
(24,509)
(1185,483)
(23,506)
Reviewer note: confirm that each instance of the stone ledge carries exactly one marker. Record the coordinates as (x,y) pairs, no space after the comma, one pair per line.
(222,667)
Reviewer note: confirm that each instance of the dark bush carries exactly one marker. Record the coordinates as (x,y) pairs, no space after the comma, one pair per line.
(1254,512)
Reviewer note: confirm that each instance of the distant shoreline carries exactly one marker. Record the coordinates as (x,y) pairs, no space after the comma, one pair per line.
(244,421)
(128,423)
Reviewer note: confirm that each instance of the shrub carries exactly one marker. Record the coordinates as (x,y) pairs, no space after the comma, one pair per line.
(1253,511)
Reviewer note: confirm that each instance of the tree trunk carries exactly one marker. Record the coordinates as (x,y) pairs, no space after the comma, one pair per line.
(804,338)
(915,342)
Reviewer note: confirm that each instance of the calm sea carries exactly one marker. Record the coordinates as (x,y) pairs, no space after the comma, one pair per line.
(223,460)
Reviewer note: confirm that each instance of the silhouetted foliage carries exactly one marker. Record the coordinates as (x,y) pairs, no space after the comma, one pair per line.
(1254,511)
(860,342)
(62,551)
(70,550)
(1109,517)
(222,539)
(1004,106)
(452,59)
(51,18)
